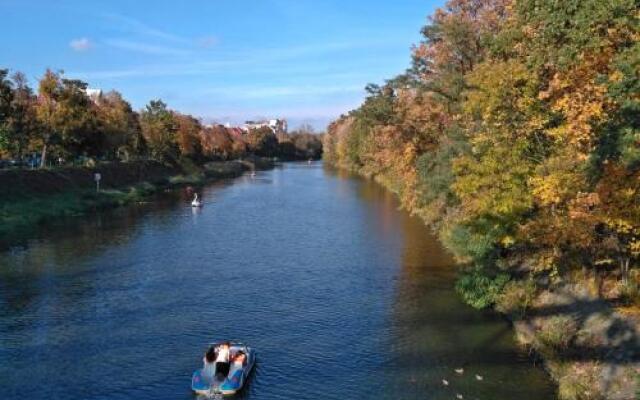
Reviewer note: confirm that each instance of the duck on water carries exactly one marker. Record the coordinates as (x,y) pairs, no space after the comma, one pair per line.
(226,367)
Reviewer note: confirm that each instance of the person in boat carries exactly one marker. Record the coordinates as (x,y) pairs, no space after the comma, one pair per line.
(239,360)
(238,363)
(209,361)
(222,359)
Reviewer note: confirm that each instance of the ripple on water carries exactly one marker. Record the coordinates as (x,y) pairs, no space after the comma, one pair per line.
(342,295)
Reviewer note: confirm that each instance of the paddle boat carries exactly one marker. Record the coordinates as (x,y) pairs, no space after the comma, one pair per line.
(196,202)
(206,385)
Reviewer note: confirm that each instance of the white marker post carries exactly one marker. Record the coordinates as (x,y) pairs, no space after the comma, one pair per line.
(97,177)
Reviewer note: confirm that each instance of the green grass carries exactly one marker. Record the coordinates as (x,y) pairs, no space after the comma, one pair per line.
(193,179)
(32,211)
(21,212)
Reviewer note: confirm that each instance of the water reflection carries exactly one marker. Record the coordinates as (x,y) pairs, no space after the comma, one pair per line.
(343,295)
(432,332)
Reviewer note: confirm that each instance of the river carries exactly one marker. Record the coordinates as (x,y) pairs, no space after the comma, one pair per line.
(343,295)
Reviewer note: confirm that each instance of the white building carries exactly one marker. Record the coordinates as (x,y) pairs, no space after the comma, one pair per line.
(276,125)
(94,94)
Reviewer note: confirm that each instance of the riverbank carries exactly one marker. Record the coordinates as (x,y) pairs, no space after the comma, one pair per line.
(589,346)
(32,197)
(588,343)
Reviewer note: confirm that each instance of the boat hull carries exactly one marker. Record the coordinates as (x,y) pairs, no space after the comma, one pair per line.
(204,385)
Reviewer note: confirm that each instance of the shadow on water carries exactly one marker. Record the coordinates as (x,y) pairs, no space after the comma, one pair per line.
(434,333)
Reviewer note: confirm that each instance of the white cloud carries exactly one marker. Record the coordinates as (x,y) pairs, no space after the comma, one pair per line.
(81,44)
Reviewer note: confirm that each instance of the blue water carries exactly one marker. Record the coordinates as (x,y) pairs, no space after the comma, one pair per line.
(343,296)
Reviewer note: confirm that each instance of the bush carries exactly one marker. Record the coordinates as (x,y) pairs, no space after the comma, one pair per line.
(557,332)
(516,298)
(475,241)
(630,293)
(578,385)
(479,290)
(570,388)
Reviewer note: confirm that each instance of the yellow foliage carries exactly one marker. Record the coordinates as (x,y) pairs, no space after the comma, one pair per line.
(581,100)
(508,241)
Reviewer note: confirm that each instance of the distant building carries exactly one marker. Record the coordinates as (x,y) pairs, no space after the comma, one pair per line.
(94,94)
(276,125)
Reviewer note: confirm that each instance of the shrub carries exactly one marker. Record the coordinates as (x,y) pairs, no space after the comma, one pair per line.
(516,298)
(480,290)
(557,332)
(476,240)
(630,293)
(578,385)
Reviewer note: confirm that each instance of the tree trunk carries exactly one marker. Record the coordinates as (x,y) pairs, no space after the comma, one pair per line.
(599,282)
(624,269)
(43,160)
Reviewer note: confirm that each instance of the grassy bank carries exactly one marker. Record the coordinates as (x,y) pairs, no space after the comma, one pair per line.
(589,345)
(32,197)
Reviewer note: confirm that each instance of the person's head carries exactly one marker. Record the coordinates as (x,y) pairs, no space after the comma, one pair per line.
(240,356)
(210,355)
(226,345)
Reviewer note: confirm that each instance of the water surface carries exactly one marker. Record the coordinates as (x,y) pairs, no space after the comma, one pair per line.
(343,296)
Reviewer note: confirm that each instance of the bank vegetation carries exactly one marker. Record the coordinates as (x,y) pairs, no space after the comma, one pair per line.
(63,122)
(515,135)
(53,140)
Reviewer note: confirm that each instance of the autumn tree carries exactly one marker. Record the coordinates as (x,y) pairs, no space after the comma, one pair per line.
(506,130)
(21,123)
(6,98)
(217,142)
(188,135)
(67,117)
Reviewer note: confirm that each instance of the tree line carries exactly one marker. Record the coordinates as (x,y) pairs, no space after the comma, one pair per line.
(62,122)
(515,134)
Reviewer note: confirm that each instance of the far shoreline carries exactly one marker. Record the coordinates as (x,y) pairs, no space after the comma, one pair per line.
(41,196)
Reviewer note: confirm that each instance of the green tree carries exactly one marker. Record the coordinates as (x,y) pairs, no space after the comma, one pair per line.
(76,120)
(159,130)
(306,145)
(262,142)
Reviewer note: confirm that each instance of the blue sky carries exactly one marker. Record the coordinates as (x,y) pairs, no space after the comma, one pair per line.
(220,60)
